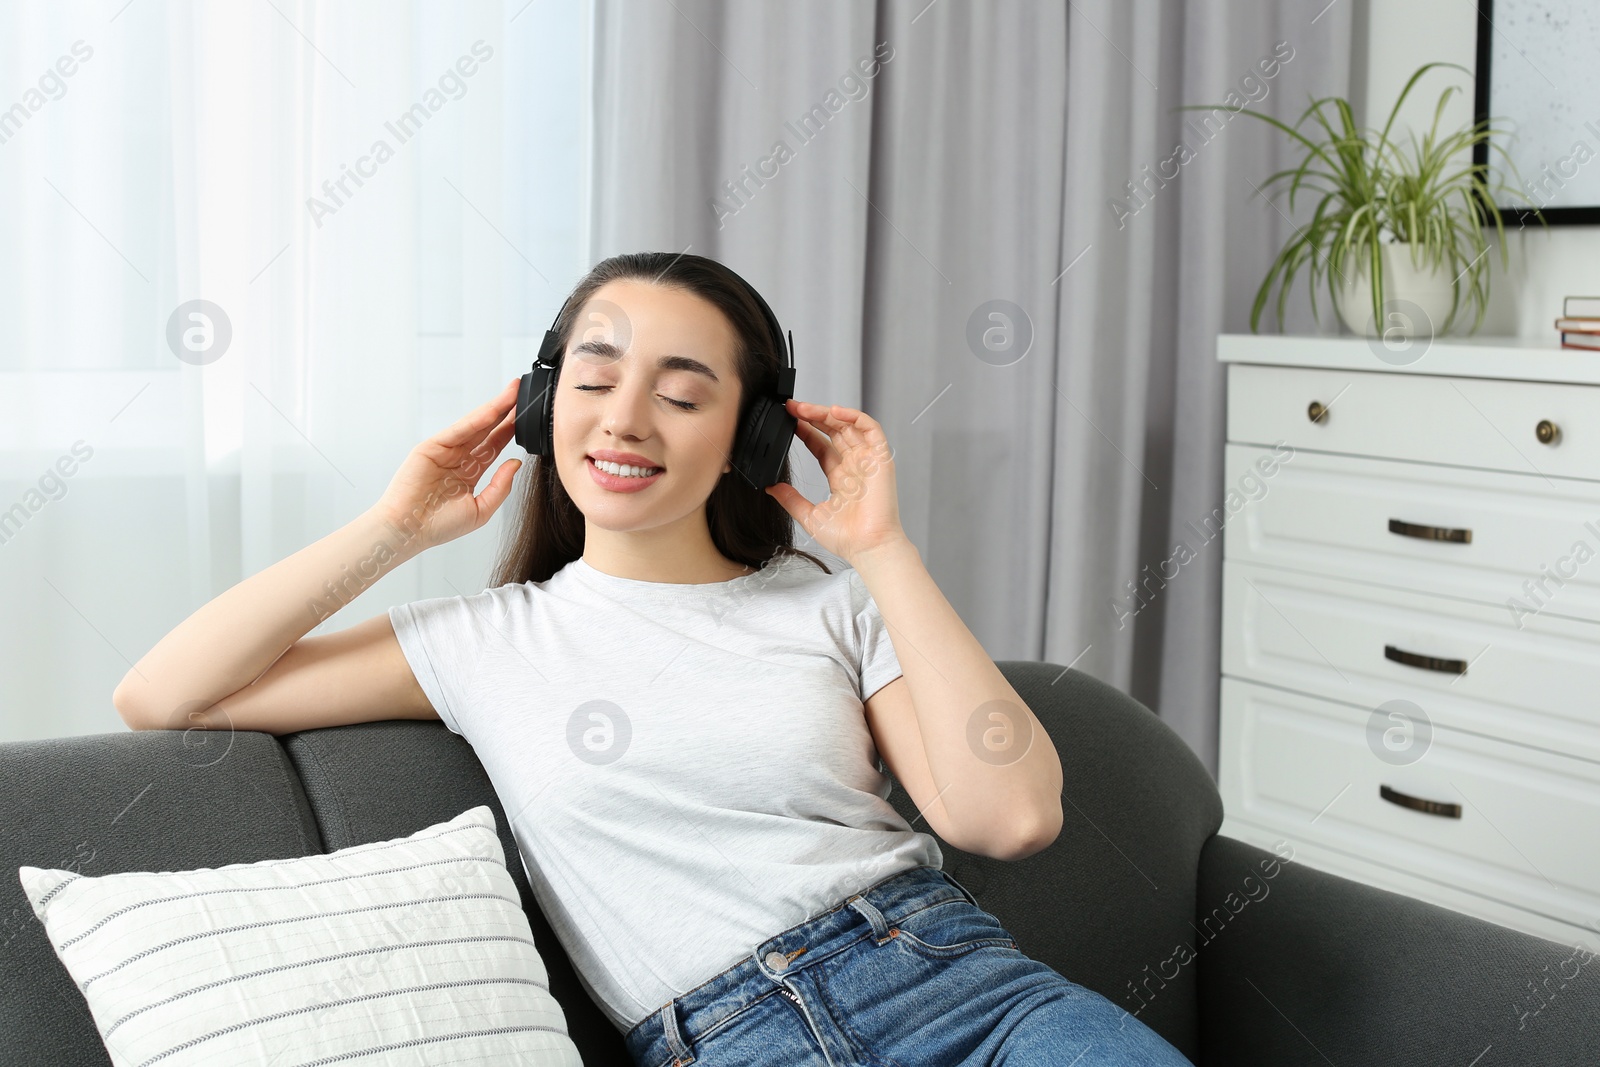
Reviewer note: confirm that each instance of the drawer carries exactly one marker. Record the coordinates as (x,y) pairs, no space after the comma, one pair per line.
(1466,422)
(1535,684)
(1521,542)
(1519,826)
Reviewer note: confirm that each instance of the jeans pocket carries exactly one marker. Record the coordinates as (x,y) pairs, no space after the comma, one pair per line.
(949,929)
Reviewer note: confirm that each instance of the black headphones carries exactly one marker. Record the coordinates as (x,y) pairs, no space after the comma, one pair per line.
(759,448)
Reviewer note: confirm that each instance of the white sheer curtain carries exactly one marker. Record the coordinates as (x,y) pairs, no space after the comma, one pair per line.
(386,200)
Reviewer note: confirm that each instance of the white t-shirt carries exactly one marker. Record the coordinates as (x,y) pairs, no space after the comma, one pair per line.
(687,769)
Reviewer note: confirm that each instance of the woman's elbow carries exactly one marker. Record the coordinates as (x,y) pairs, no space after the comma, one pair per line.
(1035,835)
(1023,836)
(125,699)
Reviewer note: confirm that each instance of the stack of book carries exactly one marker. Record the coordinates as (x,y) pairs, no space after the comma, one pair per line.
(1580,322)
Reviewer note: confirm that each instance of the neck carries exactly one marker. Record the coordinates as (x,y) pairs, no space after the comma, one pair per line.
(676,554)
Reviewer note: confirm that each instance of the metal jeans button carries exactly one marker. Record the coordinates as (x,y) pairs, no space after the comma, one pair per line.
(777,961)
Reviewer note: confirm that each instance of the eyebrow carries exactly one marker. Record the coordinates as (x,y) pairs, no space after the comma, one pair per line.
(611,351)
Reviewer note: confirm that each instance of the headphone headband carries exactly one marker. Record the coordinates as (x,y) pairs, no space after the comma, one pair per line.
(550,351)
(765,434)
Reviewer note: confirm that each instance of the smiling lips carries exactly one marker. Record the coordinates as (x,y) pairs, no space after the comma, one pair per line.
(618,483)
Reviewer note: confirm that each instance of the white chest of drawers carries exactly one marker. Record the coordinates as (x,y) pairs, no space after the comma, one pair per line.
(1411,620)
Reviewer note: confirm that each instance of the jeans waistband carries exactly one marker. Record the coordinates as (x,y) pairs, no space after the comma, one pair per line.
(668,1031)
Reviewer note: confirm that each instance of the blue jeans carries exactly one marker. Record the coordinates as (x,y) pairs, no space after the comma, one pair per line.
(909,971)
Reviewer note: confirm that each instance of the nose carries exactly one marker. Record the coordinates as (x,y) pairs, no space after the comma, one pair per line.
(627,410)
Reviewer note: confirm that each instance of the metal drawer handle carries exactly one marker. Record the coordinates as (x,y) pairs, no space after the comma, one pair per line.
(1547,432)
(1427,663)
(1430,533)
(1427,807)
(1316,412)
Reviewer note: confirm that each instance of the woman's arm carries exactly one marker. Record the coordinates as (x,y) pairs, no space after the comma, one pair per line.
(993,779)
(251,635)
(232,641)
(992,766)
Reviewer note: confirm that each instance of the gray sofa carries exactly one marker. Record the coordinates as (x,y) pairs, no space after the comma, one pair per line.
(1296,966)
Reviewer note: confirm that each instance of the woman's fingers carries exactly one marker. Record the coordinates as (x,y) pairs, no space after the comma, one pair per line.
(815,440)
(828,419)
(471,427)
(858,429)
(496,439)
(809,417)
(494,494)
(792,501)
(470,467)
(845,428)
(474,455)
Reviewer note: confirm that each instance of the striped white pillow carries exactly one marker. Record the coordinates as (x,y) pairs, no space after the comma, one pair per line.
(414,950)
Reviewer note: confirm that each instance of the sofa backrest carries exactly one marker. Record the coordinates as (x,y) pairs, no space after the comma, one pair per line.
(381,780)
(104,803)
(1108,899)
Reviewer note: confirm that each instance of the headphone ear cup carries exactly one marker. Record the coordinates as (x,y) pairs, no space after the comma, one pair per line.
(547,411)
(747,434)
(763,442)
(533,422)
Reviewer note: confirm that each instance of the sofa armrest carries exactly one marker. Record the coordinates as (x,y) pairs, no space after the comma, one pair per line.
(1116,889)
(1299,966)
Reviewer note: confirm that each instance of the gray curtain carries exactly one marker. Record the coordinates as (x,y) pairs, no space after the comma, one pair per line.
(956,246)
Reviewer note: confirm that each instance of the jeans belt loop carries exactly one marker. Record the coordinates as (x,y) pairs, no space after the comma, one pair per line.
(880,927)
(669,1029)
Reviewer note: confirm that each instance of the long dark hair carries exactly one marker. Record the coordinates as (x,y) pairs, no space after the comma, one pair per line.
(746,524)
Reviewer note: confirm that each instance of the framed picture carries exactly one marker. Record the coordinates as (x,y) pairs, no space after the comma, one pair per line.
(1536,75)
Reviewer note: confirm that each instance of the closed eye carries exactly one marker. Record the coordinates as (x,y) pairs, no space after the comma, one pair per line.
(684,404)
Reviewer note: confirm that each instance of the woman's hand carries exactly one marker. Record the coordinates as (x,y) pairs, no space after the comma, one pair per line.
(430,497)
(862,513)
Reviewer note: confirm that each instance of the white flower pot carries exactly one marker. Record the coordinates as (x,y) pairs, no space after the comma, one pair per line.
(1416,300)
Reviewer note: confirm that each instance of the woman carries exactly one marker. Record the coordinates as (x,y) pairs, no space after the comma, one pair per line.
(687,719)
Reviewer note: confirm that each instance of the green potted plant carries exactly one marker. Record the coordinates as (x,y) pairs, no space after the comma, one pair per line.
(1377,201)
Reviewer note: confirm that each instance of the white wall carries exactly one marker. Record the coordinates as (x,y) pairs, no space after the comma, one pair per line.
(1545,264)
